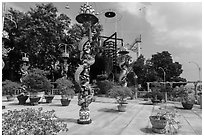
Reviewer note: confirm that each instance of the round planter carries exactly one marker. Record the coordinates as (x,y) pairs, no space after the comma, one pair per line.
(187,105)
(158,122)
(49,98)
(22,99)
(10,98)
(34,100)
(121,108)
(65,102)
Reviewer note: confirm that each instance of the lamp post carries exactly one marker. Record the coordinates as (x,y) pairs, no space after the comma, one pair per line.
(164,82)
(199,69)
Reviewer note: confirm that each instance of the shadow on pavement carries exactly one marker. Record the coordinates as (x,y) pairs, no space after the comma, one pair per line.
(179,107)
(147,130)
(13,103)
(5,101)
(58,105)
(98,101)
(108,110)
(147,103)
(71,120)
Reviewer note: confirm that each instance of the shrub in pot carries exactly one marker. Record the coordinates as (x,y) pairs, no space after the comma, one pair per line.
(187,101)
(65,86)
(9,89)
(155,96)
(49,96)
(165,121)
(120,94)
(187,98)
(200,99)
(36,82)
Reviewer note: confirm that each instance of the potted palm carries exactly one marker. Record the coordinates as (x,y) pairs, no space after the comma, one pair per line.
(65,86)
(9,89)
(35,83)
(120,94)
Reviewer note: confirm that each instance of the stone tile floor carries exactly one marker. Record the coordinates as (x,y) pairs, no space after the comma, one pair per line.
(108,121)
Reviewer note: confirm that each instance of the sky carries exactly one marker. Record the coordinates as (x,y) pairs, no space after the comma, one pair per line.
(175,27)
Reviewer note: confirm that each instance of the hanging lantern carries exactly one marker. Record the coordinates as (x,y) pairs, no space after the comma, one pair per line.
(87,14)
(123,51)
(110,14)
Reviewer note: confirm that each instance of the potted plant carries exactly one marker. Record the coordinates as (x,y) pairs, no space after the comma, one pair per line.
(9,88)
(49,96)
(188,101)
(187,97)
(35,83)
(65,86)
(165,122)
(200,99)
(155,96)
(200,95)
(120,94)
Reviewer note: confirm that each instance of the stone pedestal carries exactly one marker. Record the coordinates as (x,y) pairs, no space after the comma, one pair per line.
(84,116)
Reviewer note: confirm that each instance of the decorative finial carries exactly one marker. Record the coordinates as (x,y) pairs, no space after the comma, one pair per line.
(87,9)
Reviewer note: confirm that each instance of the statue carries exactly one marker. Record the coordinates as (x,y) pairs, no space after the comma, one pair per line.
(24,66)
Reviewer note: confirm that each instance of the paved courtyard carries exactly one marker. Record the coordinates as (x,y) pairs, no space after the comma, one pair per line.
(108,121)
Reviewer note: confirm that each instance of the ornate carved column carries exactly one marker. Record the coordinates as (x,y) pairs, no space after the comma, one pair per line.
(87,15)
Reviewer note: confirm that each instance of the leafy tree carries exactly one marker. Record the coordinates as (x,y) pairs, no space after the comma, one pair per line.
(149,70)
(164,60)
(39,32)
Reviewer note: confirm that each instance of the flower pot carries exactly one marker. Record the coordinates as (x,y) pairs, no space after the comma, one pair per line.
(22,99)
(187,105)
(121,108)
(158,122)
(10,98)
(65,102)
(34,100)
(49,98)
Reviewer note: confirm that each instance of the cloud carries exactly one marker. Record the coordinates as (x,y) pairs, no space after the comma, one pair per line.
(175,24)
(14,6)
(131,7)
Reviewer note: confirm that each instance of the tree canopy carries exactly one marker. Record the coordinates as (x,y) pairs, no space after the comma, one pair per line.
(154,69)
(39,33)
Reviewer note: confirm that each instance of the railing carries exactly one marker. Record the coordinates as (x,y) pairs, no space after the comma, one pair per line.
(18,91)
